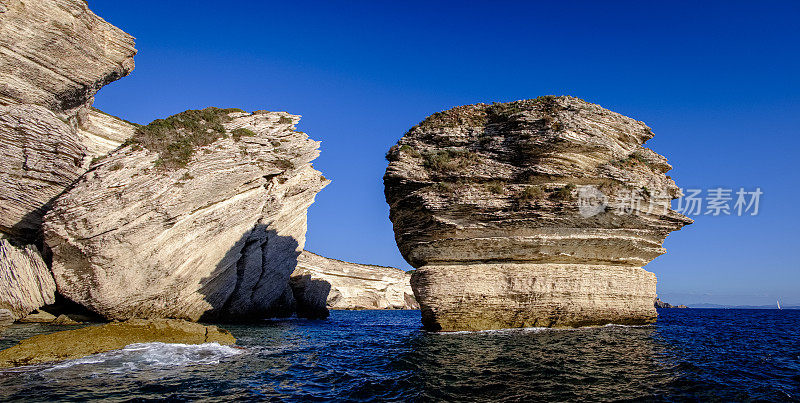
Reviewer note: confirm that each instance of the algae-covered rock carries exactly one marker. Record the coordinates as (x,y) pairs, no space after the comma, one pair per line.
(64,320)
(39,316)
(90,340)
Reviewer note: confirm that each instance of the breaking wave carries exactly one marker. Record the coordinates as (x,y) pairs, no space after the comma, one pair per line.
(152,356)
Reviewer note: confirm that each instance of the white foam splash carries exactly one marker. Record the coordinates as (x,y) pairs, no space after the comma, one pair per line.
(153,355)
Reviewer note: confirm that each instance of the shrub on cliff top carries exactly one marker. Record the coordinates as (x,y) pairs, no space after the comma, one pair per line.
(530,193)
(176,138)
(467,115)
(564,192)
(449,160)
(242,132)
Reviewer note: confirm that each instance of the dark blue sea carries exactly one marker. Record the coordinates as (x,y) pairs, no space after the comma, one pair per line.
(688,355)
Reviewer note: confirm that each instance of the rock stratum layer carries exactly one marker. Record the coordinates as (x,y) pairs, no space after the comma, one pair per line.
(25,281)
(530,213)
(58,54)
(200,216)
(54,56)
(345,285)
(41,157)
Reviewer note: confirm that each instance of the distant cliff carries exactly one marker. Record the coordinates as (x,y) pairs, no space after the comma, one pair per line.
(664,305)
(345,285)
(516,215)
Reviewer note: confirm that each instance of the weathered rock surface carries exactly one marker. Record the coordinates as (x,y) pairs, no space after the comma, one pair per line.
(6,319)
(64,320)
(41,157)
(310,295)
(202,215)
(531,213)
(38,316)
(344,285)
(25,281)
(71,344)
(58,54)
(102,133)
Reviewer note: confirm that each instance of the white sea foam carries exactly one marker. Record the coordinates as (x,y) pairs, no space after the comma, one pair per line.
(153,355)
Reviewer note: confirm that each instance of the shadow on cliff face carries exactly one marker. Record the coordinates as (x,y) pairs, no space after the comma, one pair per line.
(28,230)
(311,296)
(252,281)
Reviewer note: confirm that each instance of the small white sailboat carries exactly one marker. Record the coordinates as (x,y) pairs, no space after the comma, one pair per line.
(779,304)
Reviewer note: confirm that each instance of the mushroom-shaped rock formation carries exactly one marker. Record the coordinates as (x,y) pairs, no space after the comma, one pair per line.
(199,216)
(539,212)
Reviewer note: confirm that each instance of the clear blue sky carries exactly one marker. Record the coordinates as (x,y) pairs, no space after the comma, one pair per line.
(718,84)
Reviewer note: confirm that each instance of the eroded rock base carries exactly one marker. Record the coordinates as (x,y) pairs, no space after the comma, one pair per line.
(483,296)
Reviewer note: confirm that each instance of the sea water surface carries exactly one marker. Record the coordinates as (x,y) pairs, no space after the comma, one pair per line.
(691,354)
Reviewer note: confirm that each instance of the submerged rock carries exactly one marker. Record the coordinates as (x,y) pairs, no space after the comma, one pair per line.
(38,316)
(71,344)
(25,281)
(530,213)
(345,285)
(201,215)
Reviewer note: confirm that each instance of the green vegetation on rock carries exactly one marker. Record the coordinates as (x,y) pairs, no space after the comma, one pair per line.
(531,193)
(496,187)
(242,132)
(450,160)
(177,137)
(632,160)
(469,115)
(564,192)
(405,148)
